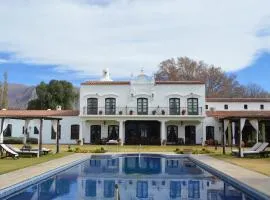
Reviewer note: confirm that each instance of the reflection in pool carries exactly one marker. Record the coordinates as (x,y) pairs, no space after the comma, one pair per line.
(138,177)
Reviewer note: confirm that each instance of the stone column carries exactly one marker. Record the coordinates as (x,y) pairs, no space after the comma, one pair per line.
(81,132)
(263,131)
(162,131)
(233,133)
(229,134)
(203,134)
(121,132)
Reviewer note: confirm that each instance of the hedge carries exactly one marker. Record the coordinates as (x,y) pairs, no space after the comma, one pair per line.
(19,140)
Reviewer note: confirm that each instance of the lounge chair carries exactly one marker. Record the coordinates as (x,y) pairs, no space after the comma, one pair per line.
(23,152)
(260,151)
(9,151)
(253,148)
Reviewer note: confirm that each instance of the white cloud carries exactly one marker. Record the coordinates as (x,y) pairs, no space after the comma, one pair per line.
(127,35)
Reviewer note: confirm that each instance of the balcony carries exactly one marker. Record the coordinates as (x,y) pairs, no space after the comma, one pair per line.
(181,111)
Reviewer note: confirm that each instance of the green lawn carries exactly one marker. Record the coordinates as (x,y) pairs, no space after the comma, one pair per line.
(10,164)
(261,165)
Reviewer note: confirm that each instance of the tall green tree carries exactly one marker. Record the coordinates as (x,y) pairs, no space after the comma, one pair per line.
(1,92)
(55,93)
(5,92)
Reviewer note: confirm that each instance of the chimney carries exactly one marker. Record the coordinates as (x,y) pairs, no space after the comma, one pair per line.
(106,75)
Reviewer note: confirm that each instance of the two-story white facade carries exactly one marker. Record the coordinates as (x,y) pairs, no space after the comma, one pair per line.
(142,111)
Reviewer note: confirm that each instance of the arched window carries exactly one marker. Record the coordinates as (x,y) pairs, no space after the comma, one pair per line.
(92,106)
(174,104)
(74,131)
(210,132)
(8,131)
(113,132)
(192,104)
(110,106)
(142,106)
(36,131)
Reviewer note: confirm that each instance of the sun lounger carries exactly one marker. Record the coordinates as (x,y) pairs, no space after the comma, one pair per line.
(253,148)
(9,151)
(259,151)
(23,152)
(112,142)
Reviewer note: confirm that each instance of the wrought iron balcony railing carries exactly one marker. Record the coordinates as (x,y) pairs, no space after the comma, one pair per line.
(182,111)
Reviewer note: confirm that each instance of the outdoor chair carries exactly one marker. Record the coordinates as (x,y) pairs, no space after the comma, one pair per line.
(259,151)
(253,148)
(9,151)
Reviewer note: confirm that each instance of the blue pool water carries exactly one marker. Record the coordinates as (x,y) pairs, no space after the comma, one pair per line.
(137,177)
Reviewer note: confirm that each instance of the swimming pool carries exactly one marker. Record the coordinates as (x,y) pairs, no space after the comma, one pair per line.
(148,177)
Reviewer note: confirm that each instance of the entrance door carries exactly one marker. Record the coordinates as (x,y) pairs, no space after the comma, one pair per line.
(95,134)
(142,132)
(190,135)
(172,134)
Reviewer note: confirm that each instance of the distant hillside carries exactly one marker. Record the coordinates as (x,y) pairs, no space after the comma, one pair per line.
(19,95)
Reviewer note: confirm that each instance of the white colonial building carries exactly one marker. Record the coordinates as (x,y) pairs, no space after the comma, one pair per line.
(145,111)
(142,111)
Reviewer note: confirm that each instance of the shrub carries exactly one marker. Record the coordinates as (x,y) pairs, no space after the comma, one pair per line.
(32,141)
(13,140)
(101,150)
(178,151)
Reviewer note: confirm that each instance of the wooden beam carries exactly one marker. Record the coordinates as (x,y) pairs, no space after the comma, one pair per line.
(57,136)
(40,135)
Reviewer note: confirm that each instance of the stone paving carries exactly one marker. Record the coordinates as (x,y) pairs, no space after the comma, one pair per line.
(253,179)
(20,175)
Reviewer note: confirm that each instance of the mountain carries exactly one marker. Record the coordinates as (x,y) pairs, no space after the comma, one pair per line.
(19,95)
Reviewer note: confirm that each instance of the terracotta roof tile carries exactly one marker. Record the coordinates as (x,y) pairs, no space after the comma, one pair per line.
(237,99)
(128,82)
(106,83)
(235,114)
(38,113)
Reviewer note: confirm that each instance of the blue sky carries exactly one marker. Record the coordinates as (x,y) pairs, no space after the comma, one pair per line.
(75,40)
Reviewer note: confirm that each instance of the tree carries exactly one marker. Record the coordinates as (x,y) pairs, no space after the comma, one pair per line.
(55,93)
(4,103)
(218,83)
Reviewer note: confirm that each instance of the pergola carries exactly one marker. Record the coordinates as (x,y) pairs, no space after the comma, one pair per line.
(39,116)
(228,117)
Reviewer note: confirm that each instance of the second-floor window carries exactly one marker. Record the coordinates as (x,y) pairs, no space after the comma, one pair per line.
(174,106)
(192,106)
(92,106)
(110,106)
(142,106)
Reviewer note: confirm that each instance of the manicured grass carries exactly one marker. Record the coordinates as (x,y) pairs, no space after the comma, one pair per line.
(10,164)
(136,148)
(261,165)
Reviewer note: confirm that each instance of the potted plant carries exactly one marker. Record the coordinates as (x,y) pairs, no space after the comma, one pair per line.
(120,112)
(100,112)
(131,112)
(183,112)
(163,112)
(154,112)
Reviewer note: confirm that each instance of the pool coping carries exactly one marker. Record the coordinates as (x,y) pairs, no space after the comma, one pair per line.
(230,180)
(7,191)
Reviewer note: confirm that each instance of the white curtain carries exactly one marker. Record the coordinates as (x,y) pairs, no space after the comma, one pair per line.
(5,125)
(37,124)
(233,133)
(26,127)
(255,124)
(242,123)
(226,124)
(54,125)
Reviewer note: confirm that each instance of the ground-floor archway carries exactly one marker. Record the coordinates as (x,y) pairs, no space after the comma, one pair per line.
(142,132)
(95,134)
(190,135)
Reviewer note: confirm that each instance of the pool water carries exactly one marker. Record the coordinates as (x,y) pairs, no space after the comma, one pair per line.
(137,177)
